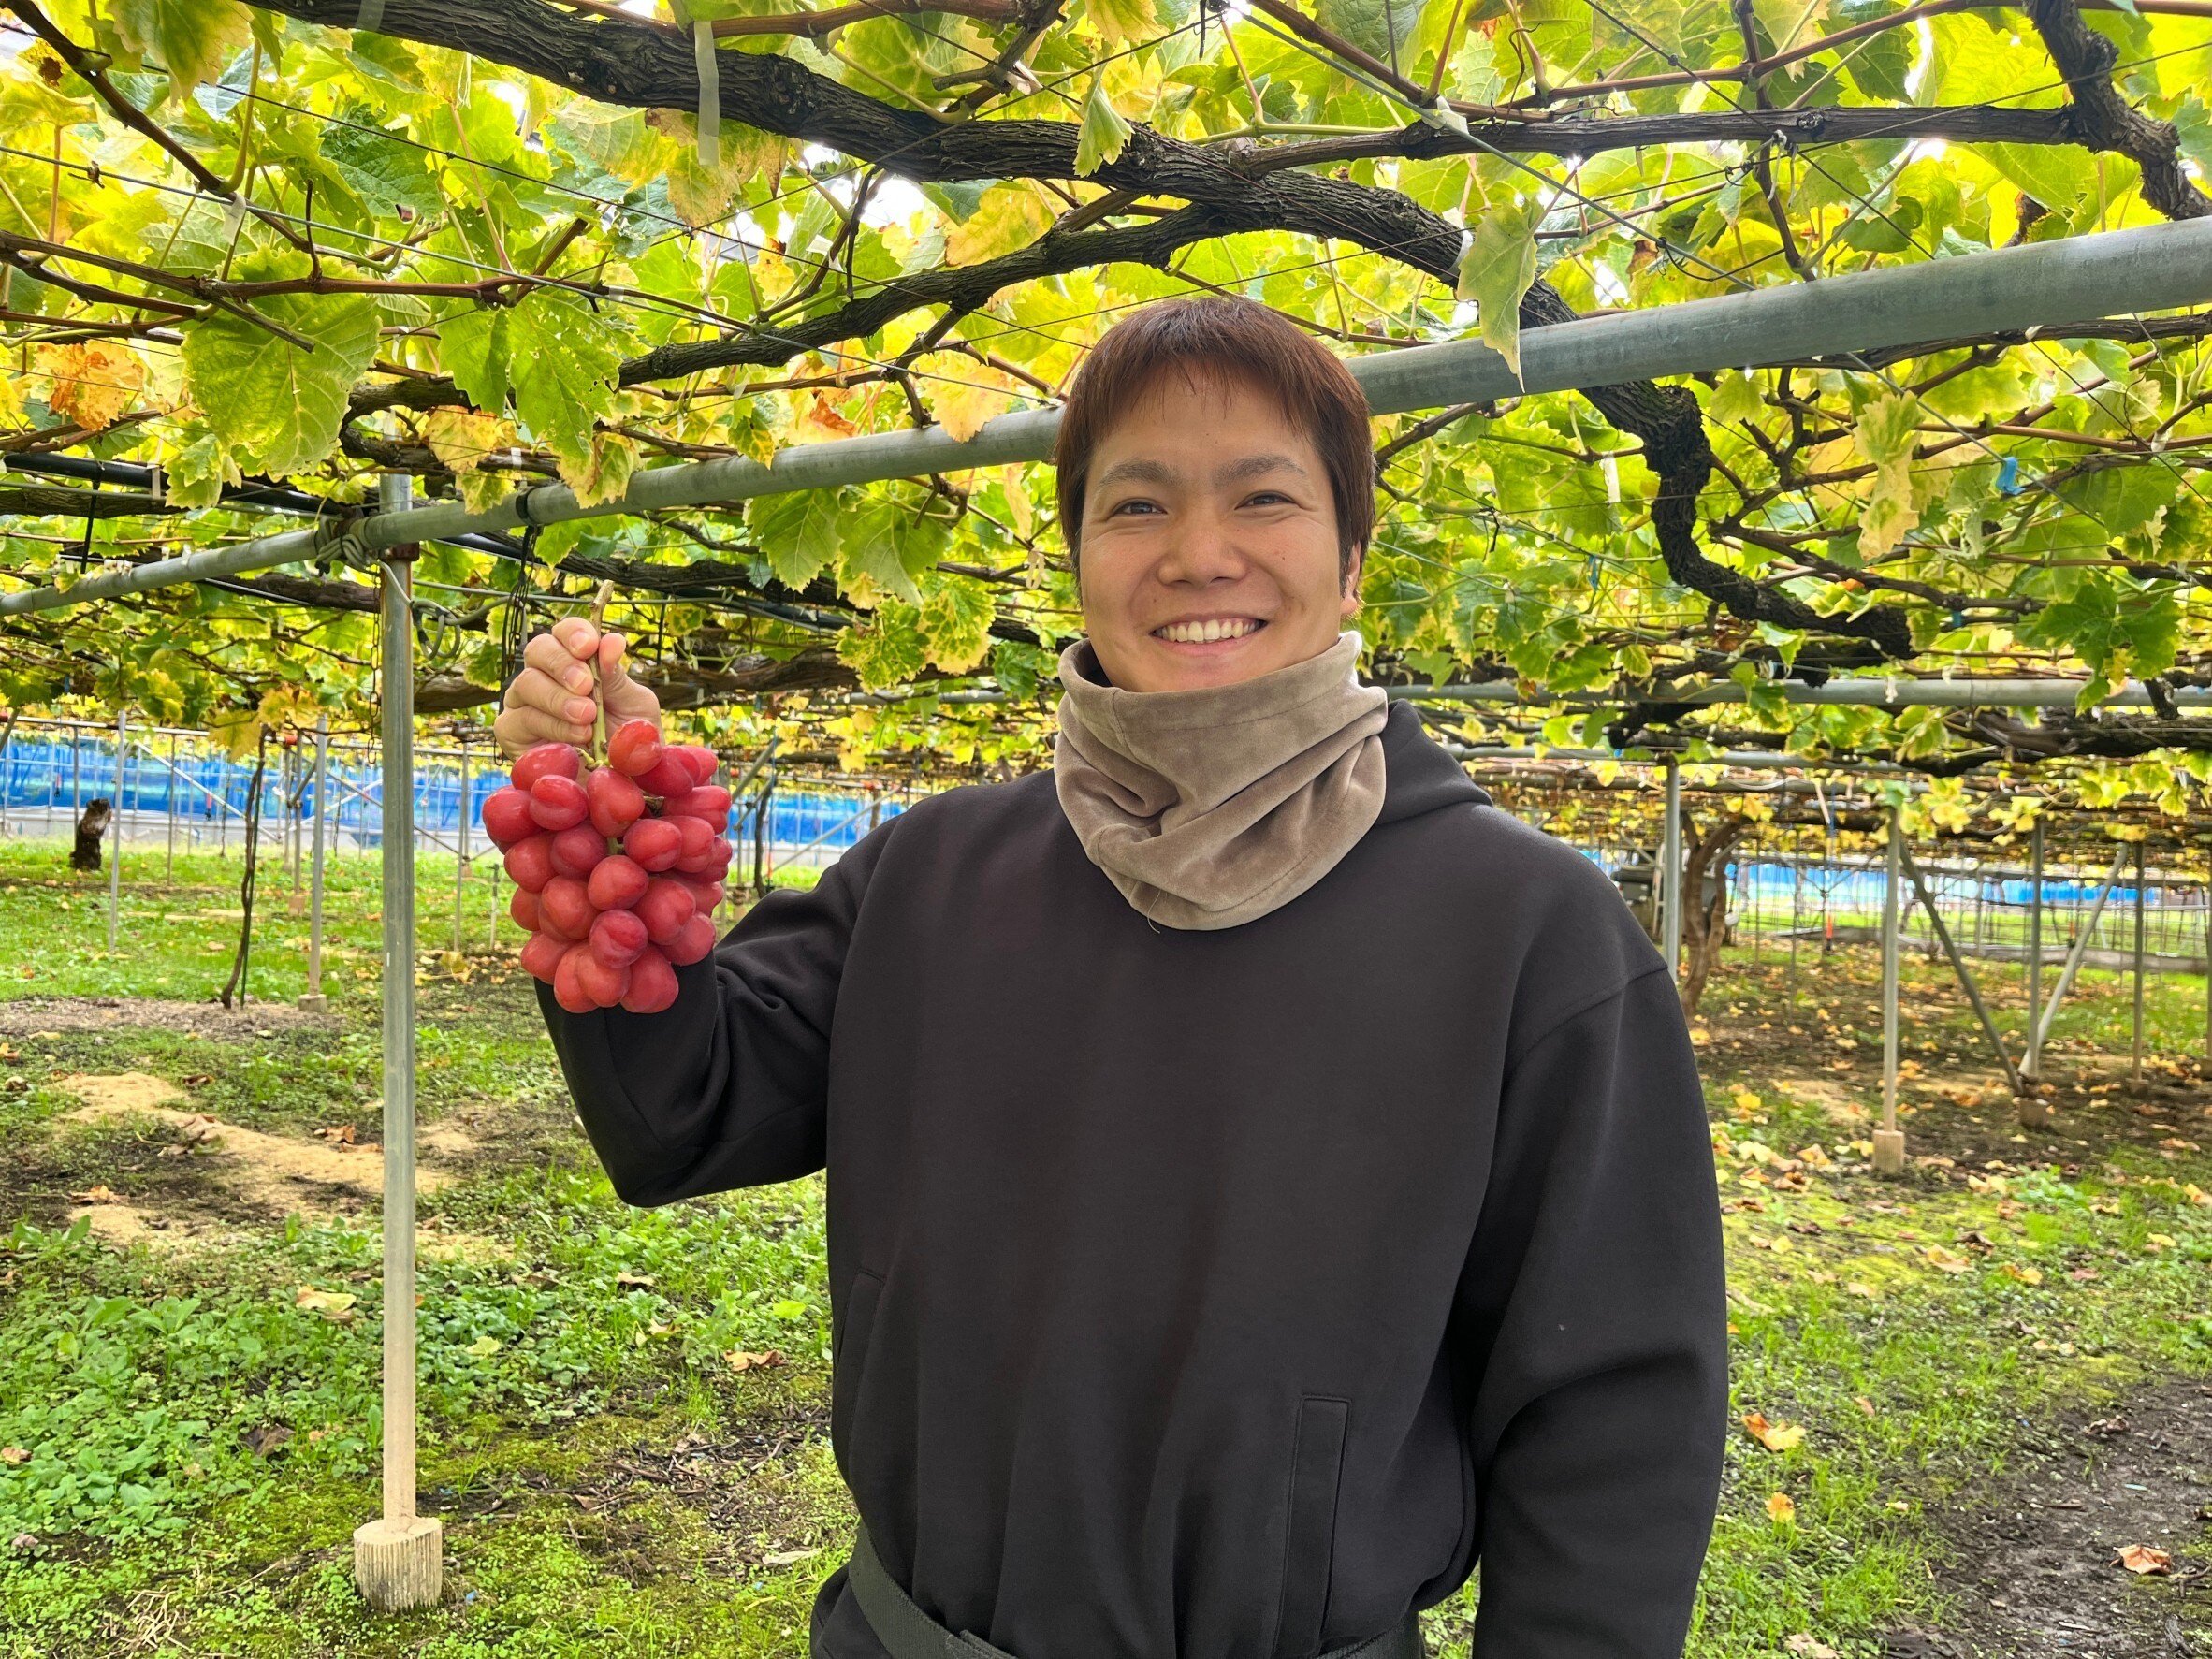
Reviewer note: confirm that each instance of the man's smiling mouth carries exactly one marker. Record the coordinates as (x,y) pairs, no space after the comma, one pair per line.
(1208,630)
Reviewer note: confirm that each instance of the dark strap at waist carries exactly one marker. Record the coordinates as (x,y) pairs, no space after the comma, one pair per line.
(907,1633)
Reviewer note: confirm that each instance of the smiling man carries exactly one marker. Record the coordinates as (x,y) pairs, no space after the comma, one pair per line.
(1264,1178)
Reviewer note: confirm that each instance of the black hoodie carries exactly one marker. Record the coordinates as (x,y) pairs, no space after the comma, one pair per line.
(1222,1295)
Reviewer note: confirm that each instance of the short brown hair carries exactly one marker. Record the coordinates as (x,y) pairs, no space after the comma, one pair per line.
(1228,340)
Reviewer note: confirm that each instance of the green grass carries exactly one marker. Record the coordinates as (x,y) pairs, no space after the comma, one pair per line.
(612,1485)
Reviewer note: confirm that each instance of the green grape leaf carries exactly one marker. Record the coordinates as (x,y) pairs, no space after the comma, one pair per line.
(474,345)
(887,650)
(1497,270)
(1377,27)
(382,171)
(1103,132)
(563,364)
(275,406)
(1124,23)
(1885,436)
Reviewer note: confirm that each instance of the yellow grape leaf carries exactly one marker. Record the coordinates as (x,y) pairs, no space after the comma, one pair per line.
(484,1348)
(1885,436)
(92,383)
(968,395)
(604,474)
(1776,1435)
(1946,1261)
(1103,133)
(819,422)
(2026,1275)
(1008,216)
(1782,1507)
(461,438)
(1124,22)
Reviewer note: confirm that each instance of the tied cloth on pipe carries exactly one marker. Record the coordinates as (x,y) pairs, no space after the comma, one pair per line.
(710,86)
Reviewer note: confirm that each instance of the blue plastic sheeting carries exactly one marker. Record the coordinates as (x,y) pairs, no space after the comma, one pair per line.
(36,774)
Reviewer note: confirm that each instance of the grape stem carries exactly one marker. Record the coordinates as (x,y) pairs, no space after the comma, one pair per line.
(597,754)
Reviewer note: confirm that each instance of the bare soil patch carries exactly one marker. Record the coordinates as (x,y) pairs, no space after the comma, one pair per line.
(2032,1557)
(30,1016)
(219,1173)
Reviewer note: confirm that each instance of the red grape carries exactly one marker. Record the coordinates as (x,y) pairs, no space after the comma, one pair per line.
(604,985)
(549,760)
(529,862)
(634,748)
(704,760)
(565,905)
(692,940)
(666,908)
(567,991)
(706,895)
(656,843)
(616,801)
(578,851)
(710,801)
(710,861)
(506,817)
(618,883)
(618,937)
(558,802)
(542,954)
(697,836)
(652,982)
(523,907)
(671,774)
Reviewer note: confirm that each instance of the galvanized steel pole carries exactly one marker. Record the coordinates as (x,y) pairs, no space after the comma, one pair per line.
(1889,1140)
(398,1558)
(1670,873)
(460,863)
(2034,1112)
(115,864)
(2135,1047)
(314,1000)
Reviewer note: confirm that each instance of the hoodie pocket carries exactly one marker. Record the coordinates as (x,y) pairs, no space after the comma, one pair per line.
(1317,1458)
(849,1348)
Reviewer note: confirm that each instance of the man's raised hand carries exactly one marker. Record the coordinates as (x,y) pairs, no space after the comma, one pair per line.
(550,700)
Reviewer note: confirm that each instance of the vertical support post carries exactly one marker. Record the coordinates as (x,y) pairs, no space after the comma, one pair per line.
(1796,914)
(2034,1112)
(398,1558)
(116,864)
(1670,873)
(1889,1140)
(2208,975)
(460,864)
(314,1000)
(2136,1071)
(76,779)
(169,794)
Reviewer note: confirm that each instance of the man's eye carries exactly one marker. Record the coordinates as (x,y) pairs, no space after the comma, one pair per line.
(1137,506)
(1267,497)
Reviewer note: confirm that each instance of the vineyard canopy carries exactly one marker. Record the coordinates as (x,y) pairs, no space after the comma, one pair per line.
(256,255)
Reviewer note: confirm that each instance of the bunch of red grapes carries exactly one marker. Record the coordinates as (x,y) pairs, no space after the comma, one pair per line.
(618,869)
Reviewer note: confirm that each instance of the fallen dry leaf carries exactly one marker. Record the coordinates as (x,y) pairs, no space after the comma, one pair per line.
(2026,1275)
(1945,1262)
(1807,1647)
(12,1455)
(1774,1436)
(790,1557)
(264,1440)
(97,1195)
(336,1305)
(739,1359)
(342,1133)
(1782,1507)
(2142,1558)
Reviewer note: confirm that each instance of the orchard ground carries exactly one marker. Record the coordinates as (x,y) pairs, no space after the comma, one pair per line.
(1983,1390)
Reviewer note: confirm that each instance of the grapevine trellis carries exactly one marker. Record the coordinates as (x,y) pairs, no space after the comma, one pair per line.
(1812,384)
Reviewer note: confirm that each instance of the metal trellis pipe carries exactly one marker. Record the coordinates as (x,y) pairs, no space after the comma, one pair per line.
(2080,950)
(2119,272)
(1670,873)
(115,864)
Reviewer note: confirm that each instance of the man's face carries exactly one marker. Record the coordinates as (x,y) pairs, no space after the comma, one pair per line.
(1209,548)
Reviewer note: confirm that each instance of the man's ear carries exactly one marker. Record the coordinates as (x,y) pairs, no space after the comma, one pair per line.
(1353,569)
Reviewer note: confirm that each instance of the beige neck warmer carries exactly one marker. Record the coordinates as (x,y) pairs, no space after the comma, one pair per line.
(1208,808)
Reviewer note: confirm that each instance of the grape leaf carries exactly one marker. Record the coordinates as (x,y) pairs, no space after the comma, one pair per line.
(1497,270)
(190,38)
(275,406)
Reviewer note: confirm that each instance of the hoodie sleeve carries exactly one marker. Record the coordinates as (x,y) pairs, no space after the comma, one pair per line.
(728,1085)
(1592,1314)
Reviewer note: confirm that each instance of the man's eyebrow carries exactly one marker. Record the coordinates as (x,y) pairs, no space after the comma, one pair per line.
(1253,466)
(1147,472)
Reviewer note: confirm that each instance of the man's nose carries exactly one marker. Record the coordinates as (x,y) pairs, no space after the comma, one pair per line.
(1203,549)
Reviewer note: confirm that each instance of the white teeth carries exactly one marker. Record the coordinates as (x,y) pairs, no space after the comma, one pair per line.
(1207,631)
